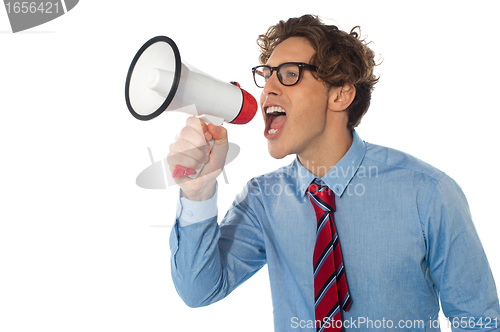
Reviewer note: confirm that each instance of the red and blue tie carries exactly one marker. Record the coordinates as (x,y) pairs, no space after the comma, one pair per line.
(331,294)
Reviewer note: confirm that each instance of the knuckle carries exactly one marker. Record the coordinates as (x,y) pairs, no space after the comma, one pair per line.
(173,159)
(185,132)
(173,147)
(176,159)
(181,146)
(191,120)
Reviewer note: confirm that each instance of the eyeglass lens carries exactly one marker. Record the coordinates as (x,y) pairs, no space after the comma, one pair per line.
(288,74)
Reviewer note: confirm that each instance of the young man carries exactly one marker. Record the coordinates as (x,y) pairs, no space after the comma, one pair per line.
(355,235)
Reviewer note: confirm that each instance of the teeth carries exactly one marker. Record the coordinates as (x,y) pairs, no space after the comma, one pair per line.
(275,109)
(272,131)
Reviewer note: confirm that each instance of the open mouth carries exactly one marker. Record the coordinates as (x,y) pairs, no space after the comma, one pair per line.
(275,119)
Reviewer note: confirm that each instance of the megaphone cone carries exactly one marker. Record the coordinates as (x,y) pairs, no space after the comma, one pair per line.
(158,81)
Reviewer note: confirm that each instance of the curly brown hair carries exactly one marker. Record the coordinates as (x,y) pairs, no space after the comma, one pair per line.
(341,57)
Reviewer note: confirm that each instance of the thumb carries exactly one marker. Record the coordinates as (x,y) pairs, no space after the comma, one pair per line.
(219,133)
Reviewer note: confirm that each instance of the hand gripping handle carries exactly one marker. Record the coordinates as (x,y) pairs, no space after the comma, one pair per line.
(181,171)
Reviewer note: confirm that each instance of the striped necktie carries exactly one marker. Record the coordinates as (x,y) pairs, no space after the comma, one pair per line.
(331,293)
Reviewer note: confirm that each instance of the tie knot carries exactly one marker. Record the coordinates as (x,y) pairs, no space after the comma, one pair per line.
(314,187)
(322,193)
(317,185)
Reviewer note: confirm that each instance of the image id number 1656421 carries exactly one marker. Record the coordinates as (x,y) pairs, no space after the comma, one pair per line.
(26,7)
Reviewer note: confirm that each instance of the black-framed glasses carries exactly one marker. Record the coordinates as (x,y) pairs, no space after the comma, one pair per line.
(288,73)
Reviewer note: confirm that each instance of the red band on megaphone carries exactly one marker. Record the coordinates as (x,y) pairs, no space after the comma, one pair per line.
(248,109)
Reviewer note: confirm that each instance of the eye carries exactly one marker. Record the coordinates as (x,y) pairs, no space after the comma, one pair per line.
(292,73)
(265,73)
(289,74)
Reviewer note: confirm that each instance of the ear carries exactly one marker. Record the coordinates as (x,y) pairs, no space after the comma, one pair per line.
(339,98)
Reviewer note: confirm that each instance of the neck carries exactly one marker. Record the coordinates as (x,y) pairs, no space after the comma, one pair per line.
(322,159)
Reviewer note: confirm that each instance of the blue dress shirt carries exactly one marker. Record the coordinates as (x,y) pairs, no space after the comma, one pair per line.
(407,238)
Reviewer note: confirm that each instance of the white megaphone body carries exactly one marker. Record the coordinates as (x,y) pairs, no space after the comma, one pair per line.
(157,81)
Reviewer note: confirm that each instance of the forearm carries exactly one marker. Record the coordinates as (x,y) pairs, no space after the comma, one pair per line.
(208,261)
(196,265)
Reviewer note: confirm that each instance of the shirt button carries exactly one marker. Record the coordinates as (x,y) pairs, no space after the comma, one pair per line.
(189,213)
(338,189)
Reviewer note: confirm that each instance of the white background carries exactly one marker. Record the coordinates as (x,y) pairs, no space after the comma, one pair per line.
(80,249)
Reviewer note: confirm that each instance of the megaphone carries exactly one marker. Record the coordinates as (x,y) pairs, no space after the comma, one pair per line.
(157,81)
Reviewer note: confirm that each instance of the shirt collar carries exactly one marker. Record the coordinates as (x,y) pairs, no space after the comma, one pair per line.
(341,174)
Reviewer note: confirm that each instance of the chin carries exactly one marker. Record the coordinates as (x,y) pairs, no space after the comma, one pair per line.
(277,153)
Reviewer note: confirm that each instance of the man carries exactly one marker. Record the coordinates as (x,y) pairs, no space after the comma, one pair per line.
(355,235)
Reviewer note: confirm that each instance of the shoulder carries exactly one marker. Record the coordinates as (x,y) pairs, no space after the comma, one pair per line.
(432,185)
(395,160)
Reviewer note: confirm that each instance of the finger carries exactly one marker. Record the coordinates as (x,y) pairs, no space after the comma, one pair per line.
(200,126)
(187,148)
(194,137)
(218,133)
(197,124)
(176,159)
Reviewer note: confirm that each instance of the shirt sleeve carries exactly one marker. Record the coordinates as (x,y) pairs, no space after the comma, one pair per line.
(457,262)
(209,261)
(190,212)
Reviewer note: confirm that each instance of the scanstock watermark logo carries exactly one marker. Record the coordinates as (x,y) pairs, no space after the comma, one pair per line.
(25,15)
